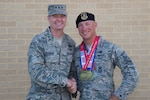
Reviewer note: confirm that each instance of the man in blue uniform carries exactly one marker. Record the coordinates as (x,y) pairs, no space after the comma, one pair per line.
(50,56)
(95,61)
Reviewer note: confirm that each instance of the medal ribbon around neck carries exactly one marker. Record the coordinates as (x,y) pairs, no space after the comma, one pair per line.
(87,59)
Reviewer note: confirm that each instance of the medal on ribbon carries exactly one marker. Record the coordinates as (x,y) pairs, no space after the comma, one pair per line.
(86,75)
(87,60)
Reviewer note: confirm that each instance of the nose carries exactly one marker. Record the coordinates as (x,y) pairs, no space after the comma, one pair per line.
(83,27)
(59,18)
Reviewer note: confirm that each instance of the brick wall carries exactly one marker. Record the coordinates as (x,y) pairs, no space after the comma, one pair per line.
(124,22)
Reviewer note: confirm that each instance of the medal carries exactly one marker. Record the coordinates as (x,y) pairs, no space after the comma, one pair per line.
(87,60)
(86,75)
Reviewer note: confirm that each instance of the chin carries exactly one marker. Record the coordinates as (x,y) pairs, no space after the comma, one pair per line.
(60,28)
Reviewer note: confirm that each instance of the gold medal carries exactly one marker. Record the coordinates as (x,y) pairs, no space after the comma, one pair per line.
(86,75)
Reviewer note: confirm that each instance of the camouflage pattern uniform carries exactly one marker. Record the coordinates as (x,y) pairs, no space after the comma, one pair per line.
(101,87)
(49,65)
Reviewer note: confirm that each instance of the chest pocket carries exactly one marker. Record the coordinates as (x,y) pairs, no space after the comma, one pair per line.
(51,55)
(67,53)
(66,56)
(103,61)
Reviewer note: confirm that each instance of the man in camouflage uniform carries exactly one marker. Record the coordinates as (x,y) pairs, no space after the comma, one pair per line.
(49,59)
(95,61)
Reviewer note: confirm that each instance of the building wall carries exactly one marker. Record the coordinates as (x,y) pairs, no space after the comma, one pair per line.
(123,22)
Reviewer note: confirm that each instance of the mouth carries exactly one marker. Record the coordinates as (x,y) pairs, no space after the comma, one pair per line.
(59,23)
(85,33)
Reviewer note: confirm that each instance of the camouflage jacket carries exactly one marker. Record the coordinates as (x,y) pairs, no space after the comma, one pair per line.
(107,57)
(48,66)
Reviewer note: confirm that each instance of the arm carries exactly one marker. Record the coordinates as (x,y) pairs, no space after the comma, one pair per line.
(129,73)
(73,77)
(39,73)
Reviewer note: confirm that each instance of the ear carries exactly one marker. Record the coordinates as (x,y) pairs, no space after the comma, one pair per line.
(95,24)
(48,17)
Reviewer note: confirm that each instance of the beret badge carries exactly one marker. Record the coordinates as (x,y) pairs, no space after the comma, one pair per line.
(84,16)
